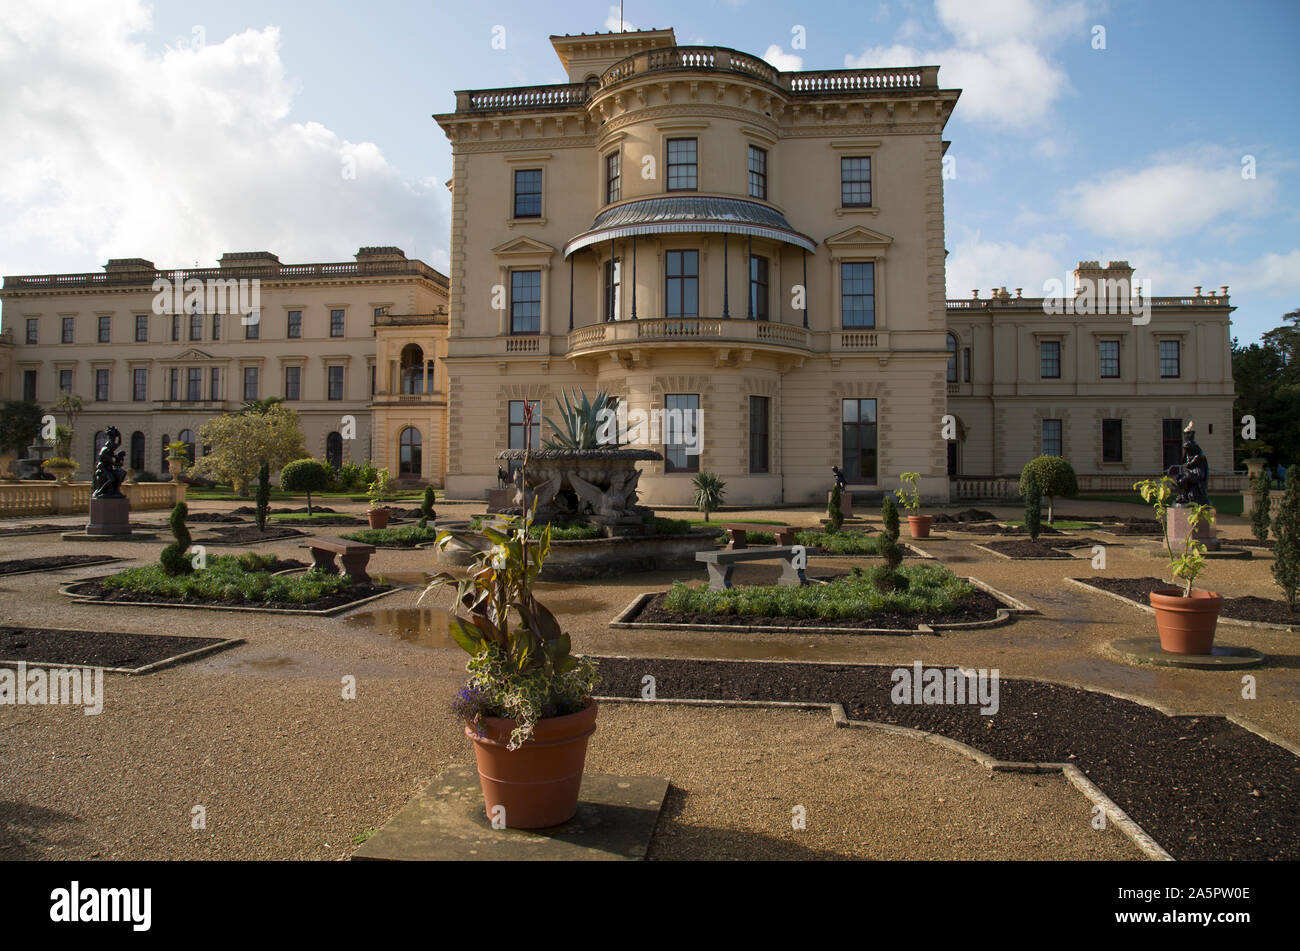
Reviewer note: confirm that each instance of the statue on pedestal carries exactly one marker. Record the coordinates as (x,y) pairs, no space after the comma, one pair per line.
(839,476)
(1193,474)
(109,474)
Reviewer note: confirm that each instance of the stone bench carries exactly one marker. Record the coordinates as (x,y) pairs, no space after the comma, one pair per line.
(354,555)
(736,533)
(721,563)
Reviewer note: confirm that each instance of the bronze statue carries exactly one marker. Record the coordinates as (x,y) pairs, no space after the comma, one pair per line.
(109,474)
(839,476)
(1193,475)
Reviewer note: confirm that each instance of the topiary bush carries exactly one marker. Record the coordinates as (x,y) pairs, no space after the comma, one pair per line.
(1055,477)
(173,559)
(426,507)
(1286,552)
(834,517)
(889,515)
(263,496)
(304,475)
(1033,507)
(1259,517)
(888,577)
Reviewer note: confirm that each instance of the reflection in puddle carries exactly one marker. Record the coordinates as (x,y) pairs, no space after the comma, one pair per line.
(270,664)
(420,578)
(426,627)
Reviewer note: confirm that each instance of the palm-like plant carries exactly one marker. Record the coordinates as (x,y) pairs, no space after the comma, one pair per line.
(583,422)
(710,491)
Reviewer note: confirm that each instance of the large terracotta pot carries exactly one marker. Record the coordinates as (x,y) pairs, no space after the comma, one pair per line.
(538,783)
(378,517)
(919,525)
(1186,625)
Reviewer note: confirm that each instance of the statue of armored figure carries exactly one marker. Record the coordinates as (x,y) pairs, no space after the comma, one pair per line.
(109,474)
(1193,474)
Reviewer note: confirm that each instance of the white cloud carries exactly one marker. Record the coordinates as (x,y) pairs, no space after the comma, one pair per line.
(974,263)
(612,21)
(786,62)
(1000,60)
(1171,197)
(114,149)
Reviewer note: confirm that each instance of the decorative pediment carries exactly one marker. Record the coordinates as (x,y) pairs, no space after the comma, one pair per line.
(858,238)
(190,356)
(524,248)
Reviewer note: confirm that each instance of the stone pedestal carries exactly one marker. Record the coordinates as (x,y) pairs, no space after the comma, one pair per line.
(846,502)
(109,517)
(1176,519)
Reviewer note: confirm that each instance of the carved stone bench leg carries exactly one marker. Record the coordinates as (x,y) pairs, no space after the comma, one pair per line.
(324,561)
(355,565)
(791,576)
(719,576)
(736,539)
(785,538)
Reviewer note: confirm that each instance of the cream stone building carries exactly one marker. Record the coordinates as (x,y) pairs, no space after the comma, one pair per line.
(352,346)
(689,228)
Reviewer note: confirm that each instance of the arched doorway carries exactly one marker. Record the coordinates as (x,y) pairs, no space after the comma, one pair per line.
(162,453)
(334,451)
(412,370)
(409,465)
(137,451)
(187,437)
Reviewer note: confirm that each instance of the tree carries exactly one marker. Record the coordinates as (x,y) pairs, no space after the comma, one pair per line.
(710,491)
(304,475)
(1033,508)
(1055,477)
(834,514)
(1286,550)
(1260,513)
(242,442)
(887,577)
(1266,377)
(71,406)
(20,423)
(263,495)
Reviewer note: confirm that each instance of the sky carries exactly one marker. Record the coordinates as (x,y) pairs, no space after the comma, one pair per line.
(1161,132)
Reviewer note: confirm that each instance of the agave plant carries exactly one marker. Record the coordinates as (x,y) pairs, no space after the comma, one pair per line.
(585,422)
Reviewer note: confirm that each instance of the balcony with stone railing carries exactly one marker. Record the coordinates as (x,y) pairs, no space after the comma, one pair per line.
(688,331)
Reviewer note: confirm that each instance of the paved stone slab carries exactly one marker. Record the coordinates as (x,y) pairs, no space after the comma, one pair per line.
(446,823)
(1146,650)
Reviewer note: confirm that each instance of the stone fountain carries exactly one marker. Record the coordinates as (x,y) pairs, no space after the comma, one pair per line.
(593,485)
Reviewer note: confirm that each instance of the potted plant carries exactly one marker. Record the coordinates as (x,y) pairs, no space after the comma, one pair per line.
(177,459)
(379,490)
(61,468)
(1185,617)
(910,496)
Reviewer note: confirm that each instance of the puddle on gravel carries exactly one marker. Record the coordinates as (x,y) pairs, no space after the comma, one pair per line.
(417,578)
(269,665)
(424,627)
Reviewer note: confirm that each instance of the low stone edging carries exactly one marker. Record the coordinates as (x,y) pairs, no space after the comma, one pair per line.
(1262,625)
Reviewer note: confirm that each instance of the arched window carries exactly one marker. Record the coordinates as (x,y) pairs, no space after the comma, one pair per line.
(334,451)
(187,437)
(409,461)
(412,370)
(101,437)
(137,451)
(952,358)
(162,453)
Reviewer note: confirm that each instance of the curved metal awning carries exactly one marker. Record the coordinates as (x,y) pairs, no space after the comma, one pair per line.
(687,215)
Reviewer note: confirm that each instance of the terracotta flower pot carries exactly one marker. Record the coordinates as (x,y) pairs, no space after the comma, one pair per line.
(1186,625)
(378,517)
(919,525)
(538,783)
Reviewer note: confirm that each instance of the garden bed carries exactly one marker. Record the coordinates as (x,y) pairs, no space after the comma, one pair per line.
(1249,608)
(324,520)
(248,535)
(965,517)
(409,536)
(20,566)
(1130,526)
(12,530)
(1003,530)
(1023,550)
(133,653)
(1203,787)
(1267,545)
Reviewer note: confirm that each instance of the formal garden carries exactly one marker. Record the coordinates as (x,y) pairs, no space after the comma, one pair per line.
(324,659)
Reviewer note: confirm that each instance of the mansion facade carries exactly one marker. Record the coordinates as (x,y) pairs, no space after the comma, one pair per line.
(757,251)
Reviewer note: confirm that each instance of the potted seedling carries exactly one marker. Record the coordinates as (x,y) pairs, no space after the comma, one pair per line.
(379,490)
(528,704)
(1186,617)
(910,496)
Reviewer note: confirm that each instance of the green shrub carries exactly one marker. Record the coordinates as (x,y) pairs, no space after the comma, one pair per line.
(889,518)
(227,579)
(173,559)
(1055,477)
(304,475)
(1286,531)
(890,549)
(406,536)
(710,492)
(1259,518)
(1033,507)
(834,516)
(670,526)
(263,495)
(426,507)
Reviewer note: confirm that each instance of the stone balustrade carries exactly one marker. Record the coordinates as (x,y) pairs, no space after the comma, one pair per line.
(43,497)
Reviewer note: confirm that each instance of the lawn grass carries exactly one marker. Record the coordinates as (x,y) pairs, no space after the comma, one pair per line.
(932,589)
(304,518)
(229,578)
(223,493)
(407,536)
(1059,523)
(560,531)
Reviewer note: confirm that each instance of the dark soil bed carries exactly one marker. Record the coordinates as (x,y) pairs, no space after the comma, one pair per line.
(1004,530)
(97,591)
(324,520)
(249,535)
(1204,788)
(212,517)
(979,607)
(31,529)
(1268,544)
(56,648)
(1241,609)
(50,563)
(273,510)
(969,515)
(1130,526)
(1075,542)
(1025,549)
